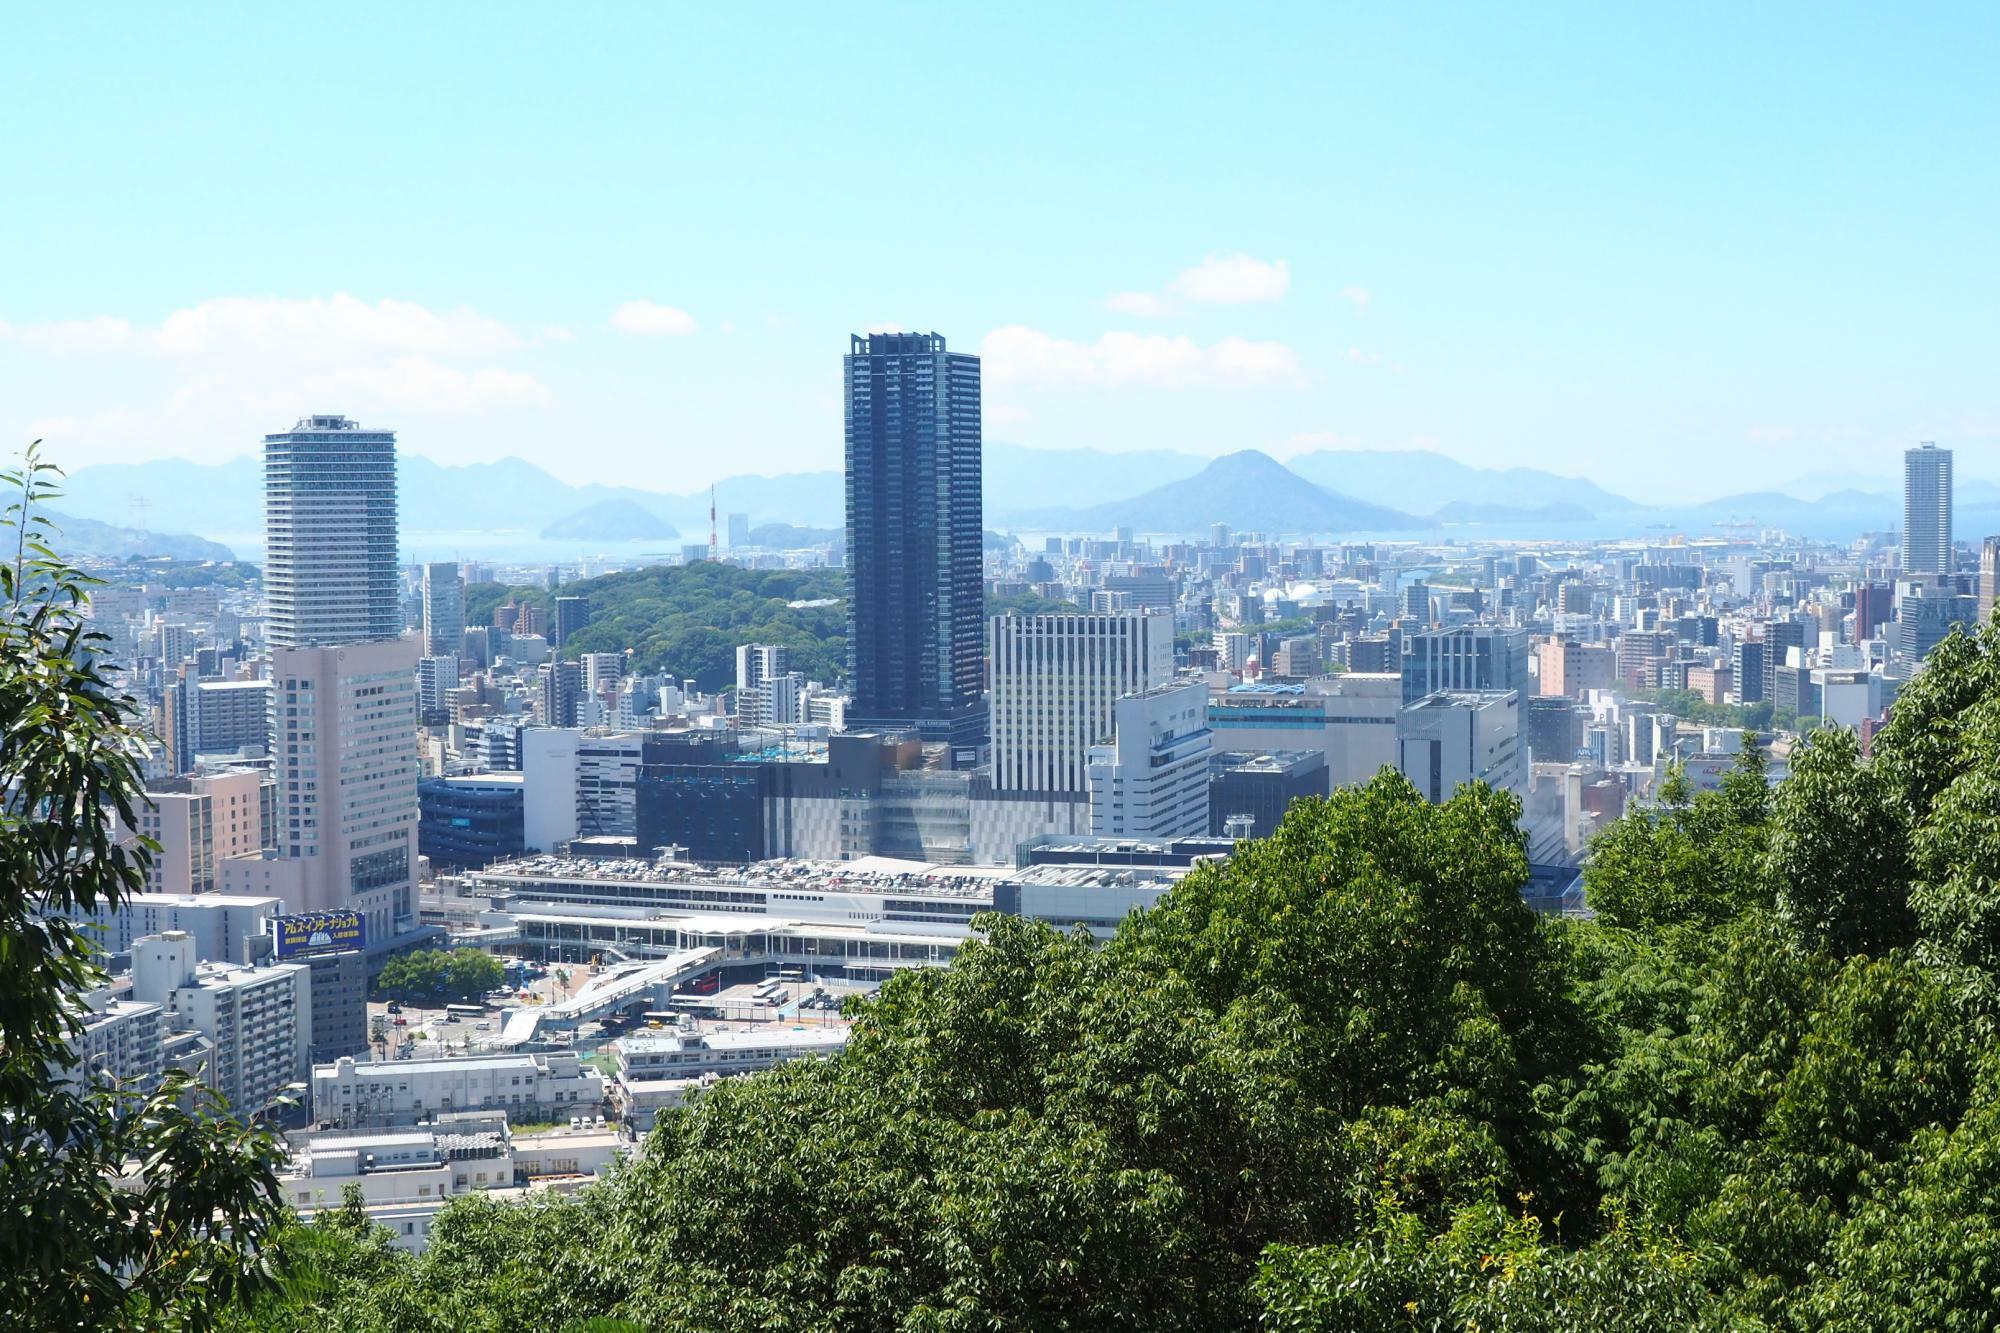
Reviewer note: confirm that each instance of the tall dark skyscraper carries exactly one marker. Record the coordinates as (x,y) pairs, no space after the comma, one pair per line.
(915,601)
(572,614)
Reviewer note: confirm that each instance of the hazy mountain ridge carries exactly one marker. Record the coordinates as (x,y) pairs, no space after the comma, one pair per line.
(1248,490)
(615,519)
(77,536)
(1419,488)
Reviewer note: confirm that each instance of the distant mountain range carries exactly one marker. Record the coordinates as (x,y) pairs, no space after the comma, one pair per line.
(1248,490)
(614,520)
(87,537)
(1425,481)
(1334,490)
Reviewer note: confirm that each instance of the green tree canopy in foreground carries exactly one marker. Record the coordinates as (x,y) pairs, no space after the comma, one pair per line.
(77,1249)
(1347,1081)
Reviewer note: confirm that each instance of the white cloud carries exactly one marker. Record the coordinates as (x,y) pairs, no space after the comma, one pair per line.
(317,329)
(418,384)
(1143,304)
(1361,358)
(1234,280)
(209,378)
(1358,296)
(651,320)
(1006,414)
(556,333)
(1020,355)
(97,334)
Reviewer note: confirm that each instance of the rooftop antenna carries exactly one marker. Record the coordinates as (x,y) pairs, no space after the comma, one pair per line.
(711,524)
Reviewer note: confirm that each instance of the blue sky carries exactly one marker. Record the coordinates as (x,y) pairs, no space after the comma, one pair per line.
(1683,251)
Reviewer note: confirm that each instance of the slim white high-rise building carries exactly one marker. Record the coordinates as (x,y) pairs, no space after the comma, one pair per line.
(1151,780)
(330,534)
(436,677)
(444,609)
(1927,510)
(1055,681)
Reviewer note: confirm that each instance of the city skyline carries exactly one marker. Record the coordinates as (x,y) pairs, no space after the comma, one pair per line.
(1590,246)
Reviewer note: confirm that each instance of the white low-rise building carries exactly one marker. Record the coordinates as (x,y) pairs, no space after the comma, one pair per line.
(657,1069)
(528,1087)
(218,923)
(406,1176)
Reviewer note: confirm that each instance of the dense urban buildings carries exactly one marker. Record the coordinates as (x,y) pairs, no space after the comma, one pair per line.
(914,523)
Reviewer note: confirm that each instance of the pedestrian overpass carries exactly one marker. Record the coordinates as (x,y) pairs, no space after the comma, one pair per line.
(612,991)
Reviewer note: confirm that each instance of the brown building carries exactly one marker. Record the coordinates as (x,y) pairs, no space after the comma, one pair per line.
(1570,669)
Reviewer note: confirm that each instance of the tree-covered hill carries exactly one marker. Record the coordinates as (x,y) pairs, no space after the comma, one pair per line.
(1348,1081)
(686,620)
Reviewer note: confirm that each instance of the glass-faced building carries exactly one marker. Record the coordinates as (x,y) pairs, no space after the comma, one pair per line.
(915,600)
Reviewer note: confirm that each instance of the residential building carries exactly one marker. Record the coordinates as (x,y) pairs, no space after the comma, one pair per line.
(444,609)
(200,821)
(916,600)
(214,717)
(561,688)
(437,677)
(1572,669)
(1927,510)
(1989,578)
(257,1020)
(572,614)
(330,574)
(122,1039)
